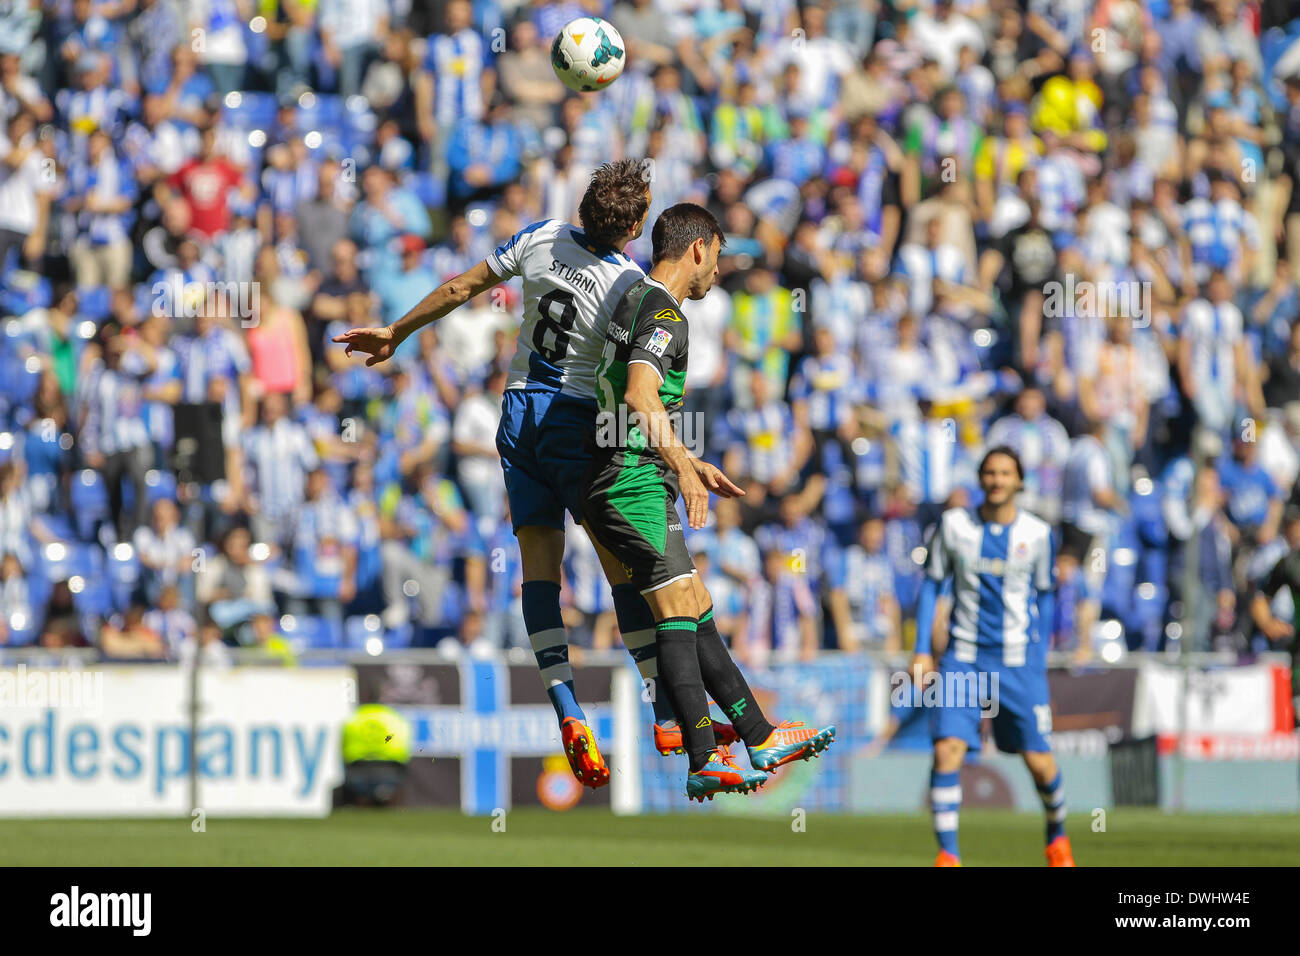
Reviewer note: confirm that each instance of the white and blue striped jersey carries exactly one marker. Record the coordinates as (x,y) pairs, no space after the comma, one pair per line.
(828,386)
(997,571)
(279,457)
(114,414)
(922,265)
(1214,331)
(1068,16)
(571,288)
(1087,471)
(931,459)
(867,579)
(457,63)
(767,436)
(1061,191)
(1216,231)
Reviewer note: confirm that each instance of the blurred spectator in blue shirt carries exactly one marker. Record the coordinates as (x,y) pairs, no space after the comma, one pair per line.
(101,194)
(387,212)
(484,155)
(863,602)
(402,290)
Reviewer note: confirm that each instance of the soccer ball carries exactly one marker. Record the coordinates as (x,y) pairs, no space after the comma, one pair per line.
(588,54)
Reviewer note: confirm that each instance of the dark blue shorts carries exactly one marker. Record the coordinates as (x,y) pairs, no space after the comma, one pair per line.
(544,440)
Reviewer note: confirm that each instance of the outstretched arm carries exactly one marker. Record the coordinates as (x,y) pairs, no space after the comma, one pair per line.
(380,344)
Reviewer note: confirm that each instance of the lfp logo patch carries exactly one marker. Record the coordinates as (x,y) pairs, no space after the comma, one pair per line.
(659,341)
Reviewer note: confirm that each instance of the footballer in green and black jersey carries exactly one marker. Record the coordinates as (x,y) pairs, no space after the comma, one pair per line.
(647,327)
(630,494)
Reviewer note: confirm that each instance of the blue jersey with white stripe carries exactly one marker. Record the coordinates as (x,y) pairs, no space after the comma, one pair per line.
(867,580)
(457,63)
(571,287)
(1214,330)
(279,457)
(931,460)
(997,571)
(1215,230)
(827,385)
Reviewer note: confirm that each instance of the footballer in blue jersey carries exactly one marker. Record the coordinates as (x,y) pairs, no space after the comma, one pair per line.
(999,561)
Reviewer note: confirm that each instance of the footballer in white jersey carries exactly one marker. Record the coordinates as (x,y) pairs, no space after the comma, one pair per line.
(1000,562)
(571,286)
(548,413)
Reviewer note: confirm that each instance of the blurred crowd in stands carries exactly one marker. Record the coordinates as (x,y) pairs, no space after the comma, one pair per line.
(1068,226)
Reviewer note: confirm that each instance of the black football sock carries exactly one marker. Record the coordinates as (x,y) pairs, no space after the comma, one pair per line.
(679,677)
(727,685)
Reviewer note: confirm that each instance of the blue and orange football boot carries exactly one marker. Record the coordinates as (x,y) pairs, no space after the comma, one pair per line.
(947,859)
(790,741)
(668,740)
(584,756)
(1059,853)
(721,775)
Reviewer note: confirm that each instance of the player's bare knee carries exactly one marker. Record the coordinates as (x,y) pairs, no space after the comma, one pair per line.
(674,600)
(703,599)
(948,754)
(1042,765)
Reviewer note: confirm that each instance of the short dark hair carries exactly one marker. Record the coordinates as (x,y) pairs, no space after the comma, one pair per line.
(1009,452)
(678,227)
(615,201)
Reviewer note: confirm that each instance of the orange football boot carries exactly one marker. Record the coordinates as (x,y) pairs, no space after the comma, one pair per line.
(668,740)
(584,756)
(721,775)
(947,859)
(1058,852)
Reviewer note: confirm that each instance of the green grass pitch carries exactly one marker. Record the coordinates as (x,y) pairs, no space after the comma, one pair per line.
(535,837)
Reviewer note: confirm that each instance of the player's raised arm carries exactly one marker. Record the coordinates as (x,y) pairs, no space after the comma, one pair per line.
(381,343)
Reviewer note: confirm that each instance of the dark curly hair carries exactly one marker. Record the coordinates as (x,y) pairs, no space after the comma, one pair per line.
(615,201)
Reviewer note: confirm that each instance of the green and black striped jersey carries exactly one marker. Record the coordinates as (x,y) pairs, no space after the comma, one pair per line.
(647,327)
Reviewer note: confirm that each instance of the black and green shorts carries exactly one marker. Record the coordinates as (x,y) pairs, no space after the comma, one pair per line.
(629,504)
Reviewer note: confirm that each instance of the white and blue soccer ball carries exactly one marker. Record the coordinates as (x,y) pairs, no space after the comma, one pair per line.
(588,54)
